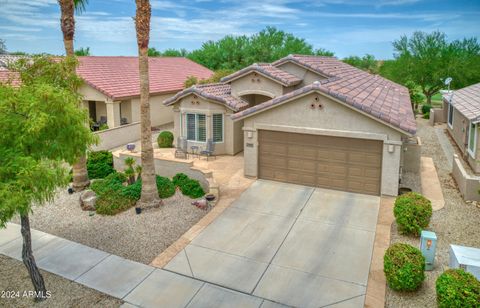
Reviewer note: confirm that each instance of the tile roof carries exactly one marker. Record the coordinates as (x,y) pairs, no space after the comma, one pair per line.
(9,77)
(467,101)
(217,92)
(269,71)
(118,77)
(7,59)
(372,94)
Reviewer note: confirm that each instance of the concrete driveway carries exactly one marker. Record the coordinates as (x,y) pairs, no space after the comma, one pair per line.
(290,244)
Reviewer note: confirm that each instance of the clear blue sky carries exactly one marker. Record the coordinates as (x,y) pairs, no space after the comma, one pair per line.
(342,26)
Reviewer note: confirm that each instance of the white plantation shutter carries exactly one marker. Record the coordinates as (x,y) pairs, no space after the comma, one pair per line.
(202,128)
(191,126)
(217,127)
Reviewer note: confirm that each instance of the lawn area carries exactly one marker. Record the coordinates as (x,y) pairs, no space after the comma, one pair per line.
(437,100)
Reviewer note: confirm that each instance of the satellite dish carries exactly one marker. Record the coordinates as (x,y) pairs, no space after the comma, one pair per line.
(448,81)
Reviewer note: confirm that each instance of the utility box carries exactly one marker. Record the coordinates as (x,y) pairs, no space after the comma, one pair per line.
(467,258)
(428,246)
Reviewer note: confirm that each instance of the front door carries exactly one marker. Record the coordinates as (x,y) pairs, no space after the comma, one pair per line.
(92,110)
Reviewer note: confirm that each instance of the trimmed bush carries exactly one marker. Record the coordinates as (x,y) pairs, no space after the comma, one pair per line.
(412,213)
(132,191)
(404,267)
(192,189)
(457,288)
(179,179)
(426,109)
(113,203)
(100,164)
(165,187)
(165,139)
(113,197)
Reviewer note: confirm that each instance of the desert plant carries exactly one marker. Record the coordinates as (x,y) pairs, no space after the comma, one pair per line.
(130,171)
(165,139)
(404,267)
(113,203)
(100,164)
(412,213)
(457,288)
(192,189)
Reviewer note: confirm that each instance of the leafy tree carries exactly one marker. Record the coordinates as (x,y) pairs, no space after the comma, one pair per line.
(41,127)
(416,97)
(428,58)
(236,52)
(170,52)
(82,52)
(367,63)
(152,52)
(149,194)
(3,47)
(217,75)
(67,22)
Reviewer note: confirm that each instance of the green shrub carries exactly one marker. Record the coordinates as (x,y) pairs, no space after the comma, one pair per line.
(426,109)
(403,266)
(132,191)
(165,187)
(113,202)
(103,126)
(192,189)
(165,139)
(179,179)
(426,115)
(457,288)
(100,164)
(412,213)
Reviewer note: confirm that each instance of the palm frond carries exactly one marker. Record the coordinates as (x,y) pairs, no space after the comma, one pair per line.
(80,5)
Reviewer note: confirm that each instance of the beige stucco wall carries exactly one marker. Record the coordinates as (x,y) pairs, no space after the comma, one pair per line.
(307,76)
(333,119)
(159,113)
(232,135)
(411,153)
(468,185)
(251,84)
(117,136)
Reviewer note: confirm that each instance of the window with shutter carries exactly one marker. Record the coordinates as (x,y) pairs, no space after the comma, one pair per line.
(202,128)
(190,122)
(217,127)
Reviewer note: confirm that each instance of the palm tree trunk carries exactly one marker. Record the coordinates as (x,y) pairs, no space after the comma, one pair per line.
(149,196)
(29,260)
(67,8)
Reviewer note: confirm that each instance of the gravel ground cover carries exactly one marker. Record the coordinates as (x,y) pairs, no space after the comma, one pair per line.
(135,237)
(456,223)
(65,293)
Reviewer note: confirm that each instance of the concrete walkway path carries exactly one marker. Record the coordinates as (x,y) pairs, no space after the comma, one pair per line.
(139,285)
(295,245)
(447,147)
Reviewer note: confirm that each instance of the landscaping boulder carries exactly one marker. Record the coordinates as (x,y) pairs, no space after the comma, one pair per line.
(88,198)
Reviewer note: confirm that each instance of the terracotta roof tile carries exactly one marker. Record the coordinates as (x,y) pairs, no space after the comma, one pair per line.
(466,101)
(217,92)
(268,70)
(117,77)
(9,77)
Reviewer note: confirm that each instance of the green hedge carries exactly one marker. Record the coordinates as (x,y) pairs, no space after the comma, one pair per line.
(426,109)
(404,267)
(188,187)
(457,288)
(111,198)
(100,164)
(165,139)
(412,213)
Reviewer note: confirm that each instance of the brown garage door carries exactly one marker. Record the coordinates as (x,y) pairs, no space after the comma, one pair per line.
(331,162)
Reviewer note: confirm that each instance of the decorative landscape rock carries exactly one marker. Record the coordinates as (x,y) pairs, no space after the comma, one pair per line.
(88,198)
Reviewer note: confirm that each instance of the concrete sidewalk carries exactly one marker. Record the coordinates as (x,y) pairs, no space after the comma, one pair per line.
(139,285)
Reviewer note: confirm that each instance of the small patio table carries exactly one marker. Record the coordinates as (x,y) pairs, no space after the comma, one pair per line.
(194,150)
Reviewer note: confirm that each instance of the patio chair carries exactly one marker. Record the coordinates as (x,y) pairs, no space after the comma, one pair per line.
(209,150)
(103,120)
(181,148)
(123,121)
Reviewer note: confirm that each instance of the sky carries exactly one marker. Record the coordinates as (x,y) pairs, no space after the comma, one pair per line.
(346,27)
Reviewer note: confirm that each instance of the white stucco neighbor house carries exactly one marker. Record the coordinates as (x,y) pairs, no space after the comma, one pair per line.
(308,120)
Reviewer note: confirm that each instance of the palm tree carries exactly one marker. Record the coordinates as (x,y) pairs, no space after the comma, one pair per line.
(149,195)
(67,8)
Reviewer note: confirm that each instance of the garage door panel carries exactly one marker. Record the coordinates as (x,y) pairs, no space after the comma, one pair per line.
(325,161)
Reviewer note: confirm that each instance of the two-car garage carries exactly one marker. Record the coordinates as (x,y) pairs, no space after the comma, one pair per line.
(347,164)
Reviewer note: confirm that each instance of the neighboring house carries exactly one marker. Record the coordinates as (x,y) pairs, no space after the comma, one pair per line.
(304,119)
(111,91)
(462,114)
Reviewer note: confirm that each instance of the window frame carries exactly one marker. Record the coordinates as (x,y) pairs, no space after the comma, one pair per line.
(472,126)
(223,128)
(196,127)
(450,113)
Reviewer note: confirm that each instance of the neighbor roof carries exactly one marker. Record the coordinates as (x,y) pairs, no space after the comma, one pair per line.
(218,92)
(267,70)
(118,77)
(467,101)
(6,60)
(12,78)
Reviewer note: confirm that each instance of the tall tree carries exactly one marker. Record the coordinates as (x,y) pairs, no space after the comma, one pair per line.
(41,128)
(427,59)
(82,52)
(367,63)
(67,19)
(149,196)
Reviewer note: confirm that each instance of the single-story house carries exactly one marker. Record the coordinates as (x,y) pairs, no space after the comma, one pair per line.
(309,120)
(111,91)
(462,108)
